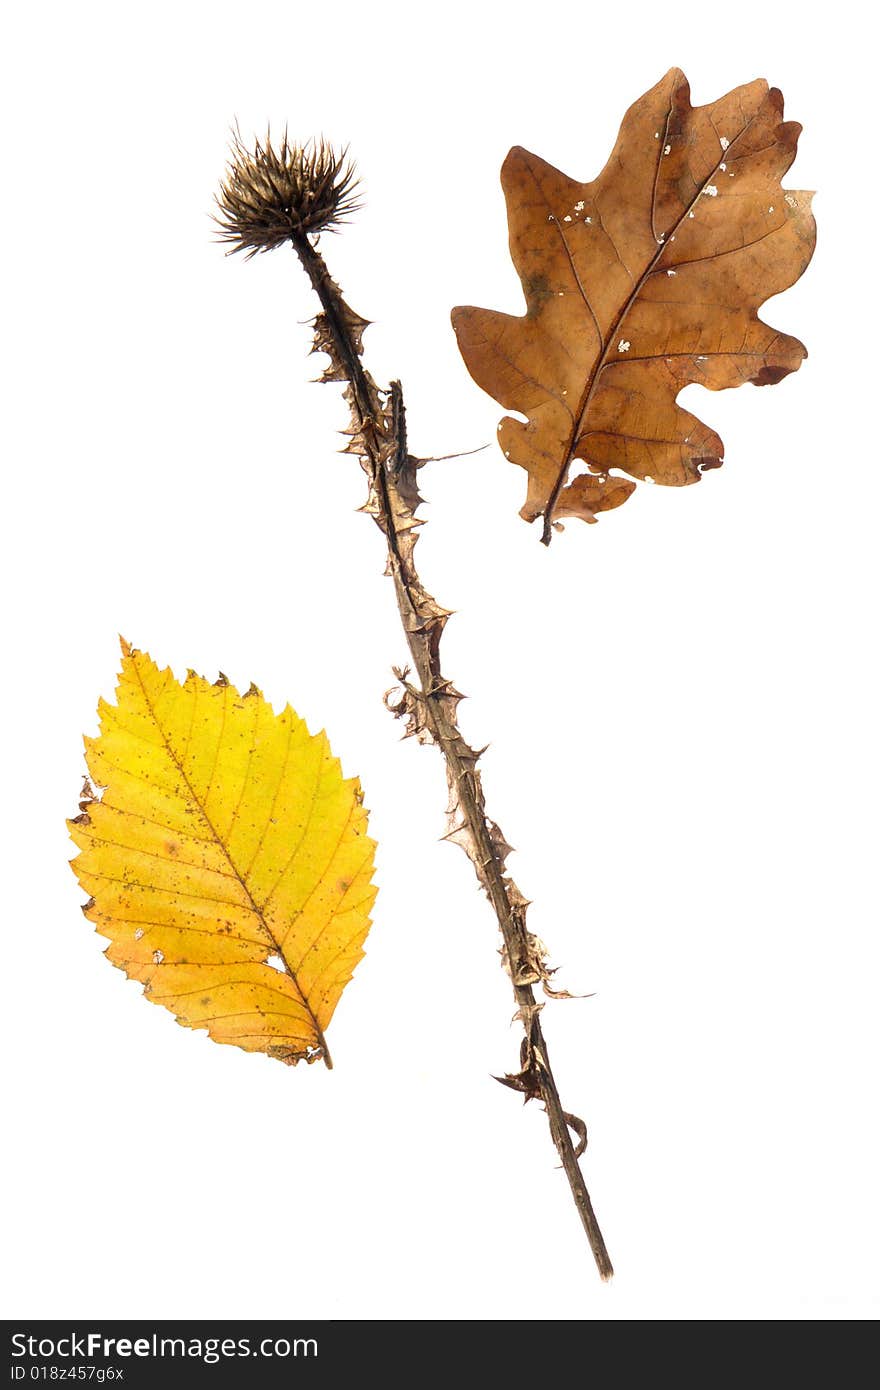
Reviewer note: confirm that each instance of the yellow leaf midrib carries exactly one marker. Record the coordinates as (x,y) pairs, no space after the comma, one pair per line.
(275,945)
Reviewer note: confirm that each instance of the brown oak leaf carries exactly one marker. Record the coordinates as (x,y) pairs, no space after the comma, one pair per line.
(637,284)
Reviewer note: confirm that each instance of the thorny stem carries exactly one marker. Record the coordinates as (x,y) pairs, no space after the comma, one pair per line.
(379,438)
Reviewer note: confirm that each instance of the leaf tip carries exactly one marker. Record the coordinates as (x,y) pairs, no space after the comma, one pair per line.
(675,77)
(515,157)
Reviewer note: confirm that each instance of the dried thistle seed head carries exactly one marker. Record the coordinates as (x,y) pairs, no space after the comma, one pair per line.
(270,194)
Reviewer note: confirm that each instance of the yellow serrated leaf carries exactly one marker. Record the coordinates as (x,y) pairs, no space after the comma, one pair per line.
(227,860)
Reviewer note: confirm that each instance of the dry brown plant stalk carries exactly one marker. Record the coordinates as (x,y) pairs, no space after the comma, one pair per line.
(271,196)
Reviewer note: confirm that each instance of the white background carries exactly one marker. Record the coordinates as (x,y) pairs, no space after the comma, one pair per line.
(681,701)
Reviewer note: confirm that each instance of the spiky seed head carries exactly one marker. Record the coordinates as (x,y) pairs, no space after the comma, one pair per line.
(270,194)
